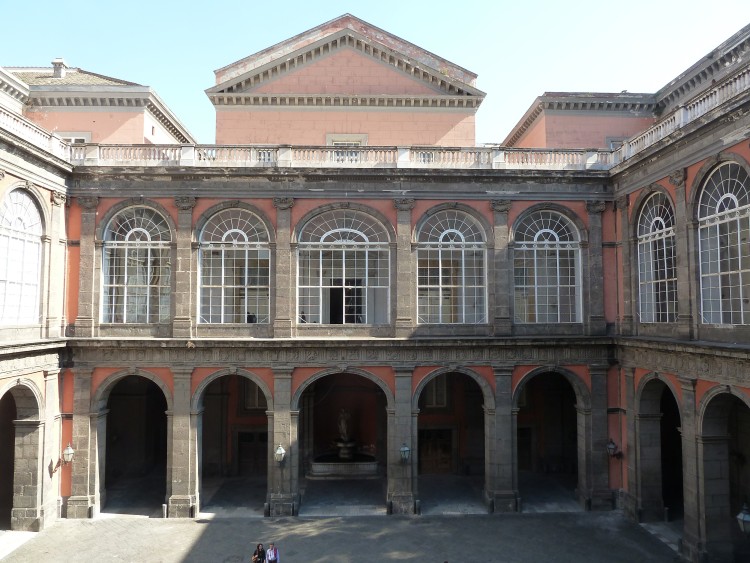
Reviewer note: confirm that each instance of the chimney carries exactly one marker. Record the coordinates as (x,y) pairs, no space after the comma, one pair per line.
(58,68)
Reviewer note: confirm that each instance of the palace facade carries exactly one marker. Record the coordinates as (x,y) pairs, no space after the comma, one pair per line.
(345,285)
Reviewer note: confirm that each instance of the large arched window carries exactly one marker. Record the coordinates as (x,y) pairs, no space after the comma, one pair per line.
(136,268)
(546,268)
(657,277)
(724,246)
(234,269)
(450,269)
(343,273)
(20,259)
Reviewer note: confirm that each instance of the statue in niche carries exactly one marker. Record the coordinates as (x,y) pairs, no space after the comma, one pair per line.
(344,419)
(345,443)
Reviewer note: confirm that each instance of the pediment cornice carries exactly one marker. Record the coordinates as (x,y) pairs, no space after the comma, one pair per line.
(13,87)
(441,83)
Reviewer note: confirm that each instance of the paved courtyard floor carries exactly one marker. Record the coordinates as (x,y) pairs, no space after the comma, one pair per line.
(571,537)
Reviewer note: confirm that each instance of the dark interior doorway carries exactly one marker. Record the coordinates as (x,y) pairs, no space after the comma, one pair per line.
(7,449)
(136,457)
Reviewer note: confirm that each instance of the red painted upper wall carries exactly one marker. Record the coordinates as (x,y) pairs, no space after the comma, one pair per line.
(575,130)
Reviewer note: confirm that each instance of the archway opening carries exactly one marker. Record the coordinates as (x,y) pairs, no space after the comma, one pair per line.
(547,444)
(135,477)
(451,455)
(659,454)
(343,446)
(234,446)
(7,450)
(725,479)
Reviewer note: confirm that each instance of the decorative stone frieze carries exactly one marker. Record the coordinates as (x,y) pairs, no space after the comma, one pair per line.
(283,202)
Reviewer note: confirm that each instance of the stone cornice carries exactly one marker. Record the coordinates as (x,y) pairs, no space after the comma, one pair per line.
(348,101)
(345,38)
(13,87)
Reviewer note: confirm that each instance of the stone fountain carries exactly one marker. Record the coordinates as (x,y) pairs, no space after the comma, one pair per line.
(346,462)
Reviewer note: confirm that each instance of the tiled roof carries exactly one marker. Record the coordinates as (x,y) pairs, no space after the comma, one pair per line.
(73,77)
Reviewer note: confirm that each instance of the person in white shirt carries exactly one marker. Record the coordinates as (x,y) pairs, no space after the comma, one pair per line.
(272,554)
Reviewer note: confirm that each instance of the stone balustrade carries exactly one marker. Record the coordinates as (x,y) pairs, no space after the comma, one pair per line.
(683,115)
(447,158)
(26,130)
(283,156)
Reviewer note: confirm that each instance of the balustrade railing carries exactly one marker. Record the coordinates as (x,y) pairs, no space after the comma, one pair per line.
(26,130)
(284,156)
(483,158)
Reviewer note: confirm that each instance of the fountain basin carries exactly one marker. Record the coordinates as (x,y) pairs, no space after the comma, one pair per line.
(331,466)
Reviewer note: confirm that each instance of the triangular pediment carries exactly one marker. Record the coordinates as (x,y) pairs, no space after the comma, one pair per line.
(338,60)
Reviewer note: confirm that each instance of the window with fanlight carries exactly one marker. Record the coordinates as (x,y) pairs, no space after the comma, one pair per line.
(451,279)
(136,268)
(343,269)
(546,269)
(234,259)
(724,246)
(657,273)
(20,259)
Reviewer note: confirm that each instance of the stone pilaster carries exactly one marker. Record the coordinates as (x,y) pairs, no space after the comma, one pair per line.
(500,263)
(596,322)
(601,493)
(285,301)
(625,316)
(55,268)
(499,433)
(84,323)
(405,287)
(184,294)
(631,456)
(686,303)
(180,448)
(81,501)
(282,495)
(402,430)
(692,546)
(27,470)
(51,447)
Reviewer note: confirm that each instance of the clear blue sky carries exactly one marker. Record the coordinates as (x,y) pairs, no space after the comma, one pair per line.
(519,49)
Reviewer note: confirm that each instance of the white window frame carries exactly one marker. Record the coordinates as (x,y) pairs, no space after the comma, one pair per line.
(657,261)
(21,231)
(544,240)
(723,247)
(451,271)
(343,255)
(239,240)
(136,268)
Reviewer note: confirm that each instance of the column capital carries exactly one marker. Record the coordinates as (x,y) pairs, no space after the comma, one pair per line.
(404,204)
(596,206)
(500,205)
(282,203)
(678,177)
(57,199)
(185,203)
(88,202)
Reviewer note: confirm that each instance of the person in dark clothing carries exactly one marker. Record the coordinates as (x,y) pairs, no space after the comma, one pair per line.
(259,555)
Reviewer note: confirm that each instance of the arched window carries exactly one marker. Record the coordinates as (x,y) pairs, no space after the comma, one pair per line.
(343,269)
(234,269)
(136,268)
(20,259)
(724,246)
(451,283)
(657,277)
(546,268)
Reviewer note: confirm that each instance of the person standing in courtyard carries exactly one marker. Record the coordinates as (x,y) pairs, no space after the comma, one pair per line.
(259,555)
(272,554)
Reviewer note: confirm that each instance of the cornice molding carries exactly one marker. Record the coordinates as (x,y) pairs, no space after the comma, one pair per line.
(345,38)
(348,101)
